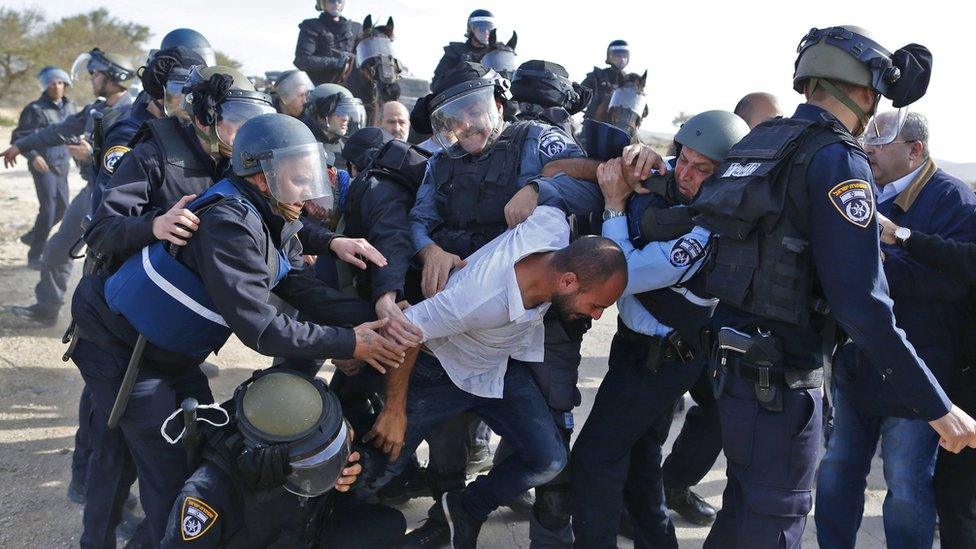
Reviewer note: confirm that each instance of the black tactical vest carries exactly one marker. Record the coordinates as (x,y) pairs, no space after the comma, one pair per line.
(472,192)
(757,204)
(180,161)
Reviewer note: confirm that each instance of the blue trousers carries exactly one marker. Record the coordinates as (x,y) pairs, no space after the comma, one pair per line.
(699,442)
(56,262)
(616,459)
(521,417)
(909,448)
(52,199)
(161,467)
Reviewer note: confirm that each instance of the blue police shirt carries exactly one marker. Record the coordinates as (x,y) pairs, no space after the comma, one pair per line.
(542,145)
(847,260)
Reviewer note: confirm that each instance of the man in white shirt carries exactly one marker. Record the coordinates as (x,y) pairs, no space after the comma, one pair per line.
(492,310)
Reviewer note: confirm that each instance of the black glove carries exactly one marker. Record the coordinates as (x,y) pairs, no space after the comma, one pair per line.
(266,467)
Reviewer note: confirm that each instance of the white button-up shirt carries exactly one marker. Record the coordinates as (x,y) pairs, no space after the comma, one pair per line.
(479,320)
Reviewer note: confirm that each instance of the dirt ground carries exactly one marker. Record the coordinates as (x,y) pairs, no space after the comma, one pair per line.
(39,396)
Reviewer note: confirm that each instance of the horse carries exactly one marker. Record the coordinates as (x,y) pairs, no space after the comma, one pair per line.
(501,56)
(630,96)
(375,72)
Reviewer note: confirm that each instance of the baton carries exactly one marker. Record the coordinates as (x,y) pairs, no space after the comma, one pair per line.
(131,373)
(191,436)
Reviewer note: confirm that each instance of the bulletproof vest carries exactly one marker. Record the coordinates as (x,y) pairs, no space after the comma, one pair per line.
(465,52)
(180,161)
(758,206)
(471,192)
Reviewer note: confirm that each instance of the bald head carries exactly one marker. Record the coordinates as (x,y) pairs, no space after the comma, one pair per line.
(756,108)
(395,119)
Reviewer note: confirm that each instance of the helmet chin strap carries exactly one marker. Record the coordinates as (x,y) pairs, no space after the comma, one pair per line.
(210,137)
(863,117)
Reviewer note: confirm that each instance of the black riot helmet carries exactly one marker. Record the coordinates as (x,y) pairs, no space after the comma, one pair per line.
(360,146)
(192,39)
(618,54)
(278,406)
(159,71)
(547,85)
(480,25)
(117,68)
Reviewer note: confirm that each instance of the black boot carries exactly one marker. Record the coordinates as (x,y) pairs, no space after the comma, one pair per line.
(464,527)
(690,506)
(433,533)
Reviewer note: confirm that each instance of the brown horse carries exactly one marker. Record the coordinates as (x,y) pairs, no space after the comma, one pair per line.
(374,75)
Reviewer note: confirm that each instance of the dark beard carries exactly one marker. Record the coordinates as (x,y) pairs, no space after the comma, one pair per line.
(563,305)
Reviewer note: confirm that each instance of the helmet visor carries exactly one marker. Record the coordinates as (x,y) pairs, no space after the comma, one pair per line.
(629,99)
(173,93)
(317,474)
(296,174)
(503,61)
(80,72)
(373,47)
(347,117)
(471,119)
(293,91)
(884,127)
(234,113)
(618,56)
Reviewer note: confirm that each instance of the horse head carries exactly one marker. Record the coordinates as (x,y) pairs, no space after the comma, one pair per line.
(376,64)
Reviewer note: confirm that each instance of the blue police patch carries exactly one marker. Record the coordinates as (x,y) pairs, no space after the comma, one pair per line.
(854,199)
(685,252)
(112,157)
(552,144)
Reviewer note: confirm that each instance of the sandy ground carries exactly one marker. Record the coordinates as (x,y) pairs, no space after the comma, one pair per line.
(39,395)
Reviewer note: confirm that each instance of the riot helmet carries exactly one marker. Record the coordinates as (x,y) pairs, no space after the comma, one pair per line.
(285,150)
(360,146)
(463,113)
(618,54)
(502,60)
(480,25)
(547,85)
(222,99)
(116,68)
(332,7)
(189,38)
(292,88)
(627,108)
(335,111)
(278,406)
(849,54)
(165,74)
(712,133)
(50,75)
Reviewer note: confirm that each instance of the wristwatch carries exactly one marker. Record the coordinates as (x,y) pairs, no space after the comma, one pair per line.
(610,213)
(902,234)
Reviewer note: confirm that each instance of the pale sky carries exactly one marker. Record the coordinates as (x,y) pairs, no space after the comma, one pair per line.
(699,55)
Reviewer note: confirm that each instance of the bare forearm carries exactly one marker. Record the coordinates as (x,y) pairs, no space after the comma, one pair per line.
(398,380)
(580,168)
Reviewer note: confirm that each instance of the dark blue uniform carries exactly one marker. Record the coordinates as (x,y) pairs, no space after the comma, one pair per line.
(115,143)
(456,53)
(52,185)
(772,452)
(324,46)
(229,253)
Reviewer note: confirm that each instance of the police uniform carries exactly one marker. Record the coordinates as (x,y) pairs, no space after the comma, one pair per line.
(217,507)
(622,439)
(324,46)
(460,207)
(788,225)
(119,131)
(231,255)
(51,186)
(56,262)
(602,82)
(456,53)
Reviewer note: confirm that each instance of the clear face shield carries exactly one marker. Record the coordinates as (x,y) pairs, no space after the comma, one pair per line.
(173,93)
(373,47)
(618,56)
(317,474)
(480,28)
(471,119)
(297,174)
(503,61)
(627,107)
(884,127)
(83,69)
(293,92)
(233,114)
(347,117)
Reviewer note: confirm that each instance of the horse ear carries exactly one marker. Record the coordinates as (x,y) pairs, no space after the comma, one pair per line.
(388,28)
(513,40)
(643,79)
(368,23)
(492,38)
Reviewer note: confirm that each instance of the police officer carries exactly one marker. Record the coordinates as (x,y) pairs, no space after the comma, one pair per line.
(465,200)
(797,249)
(333,114)
(48,165)
(325,44)
(544,92)
(478,31)
(110,76)
(290,92)
(266,477)
(604,81)
(656,354)
(217,284)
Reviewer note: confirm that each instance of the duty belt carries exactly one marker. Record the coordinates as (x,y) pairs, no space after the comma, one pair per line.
(660,349)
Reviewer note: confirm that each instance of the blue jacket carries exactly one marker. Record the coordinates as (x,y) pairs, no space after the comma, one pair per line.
(39,114)
(929,305)
(116,144)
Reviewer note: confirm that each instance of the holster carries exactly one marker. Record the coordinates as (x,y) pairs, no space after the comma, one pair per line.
(659,349)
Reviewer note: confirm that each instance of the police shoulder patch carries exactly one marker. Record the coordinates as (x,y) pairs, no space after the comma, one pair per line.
(552,143)
(685,251)
(196,518)
(112,157)
(854,199)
